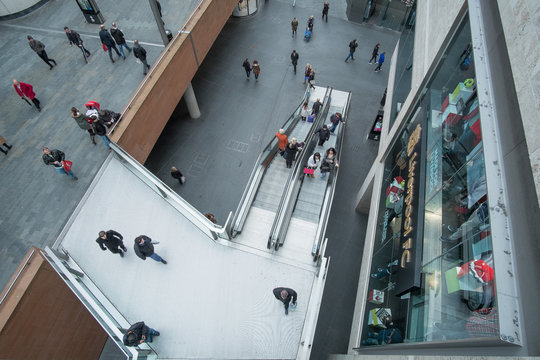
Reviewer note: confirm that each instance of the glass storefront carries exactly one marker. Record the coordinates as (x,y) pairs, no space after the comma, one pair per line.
(432,272)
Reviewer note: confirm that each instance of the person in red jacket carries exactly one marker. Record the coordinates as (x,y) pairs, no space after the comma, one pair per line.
(26,91)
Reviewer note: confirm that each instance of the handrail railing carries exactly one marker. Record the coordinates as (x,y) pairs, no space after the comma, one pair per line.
(282,218)
(155,66)
(330,189)
(190,212)
(262,162)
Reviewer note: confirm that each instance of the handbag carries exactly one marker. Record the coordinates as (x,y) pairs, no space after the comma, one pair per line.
(104,47)
(309,171)
(66,165)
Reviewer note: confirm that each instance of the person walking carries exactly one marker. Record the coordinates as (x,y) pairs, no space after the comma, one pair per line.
(381,60)
(294,26)
(316,107)
(305,111)
(256,69)
(140,54)
(307,72)
(324,134)
(39,48)
(26,91)
(145,248)
(118,37)
(247,67)
(75,38)
(99,128)
(329,162)
(374,54)
(57,158)
(283,140)
(326,7)
(108,41)
(139,333)
(290,152)
(335,119)
(294,59)
(313,163)
(175,173)
(286,295)
(311,79)
(111,240)
(4,143)
(311,22)
(352,48)
(80,119)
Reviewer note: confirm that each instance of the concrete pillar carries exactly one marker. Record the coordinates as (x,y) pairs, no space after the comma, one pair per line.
(191,102)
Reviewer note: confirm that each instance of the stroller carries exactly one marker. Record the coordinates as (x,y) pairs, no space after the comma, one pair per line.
(307,34)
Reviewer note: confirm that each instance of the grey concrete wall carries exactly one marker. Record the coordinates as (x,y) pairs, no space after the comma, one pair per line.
(521,29)
(520,185)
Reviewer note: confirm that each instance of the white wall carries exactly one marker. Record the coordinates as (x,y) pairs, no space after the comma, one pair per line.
(8,7)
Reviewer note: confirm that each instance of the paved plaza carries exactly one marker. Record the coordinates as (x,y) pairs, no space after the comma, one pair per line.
(216,152)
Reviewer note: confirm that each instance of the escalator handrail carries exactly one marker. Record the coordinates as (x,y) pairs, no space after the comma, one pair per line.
(256,175)
(280,233)
(283,206)
(331,186)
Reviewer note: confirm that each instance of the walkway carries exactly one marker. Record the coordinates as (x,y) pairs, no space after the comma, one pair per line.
(217,151)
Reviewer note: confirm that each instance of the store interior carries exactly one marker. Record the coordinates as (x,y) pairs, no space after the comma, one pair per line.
(436,185)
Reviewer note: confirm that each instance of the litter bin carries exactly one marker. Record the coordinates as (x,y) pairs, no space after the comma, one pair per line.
(91,11)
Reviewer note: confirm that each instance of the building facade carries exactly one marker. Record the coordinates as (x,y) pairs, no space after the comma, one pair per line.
(451,246)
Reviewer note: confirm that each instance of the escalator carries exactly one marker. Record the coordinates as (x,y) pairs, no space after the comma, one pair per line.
(284,206)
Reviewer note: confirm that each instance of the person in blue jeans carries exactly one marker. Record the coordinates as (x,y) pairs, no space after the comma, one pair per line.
(118,36)
(352,48)
(144,248)
(101,130)
(55,157)
(139,333)
(381,60)
(335,119)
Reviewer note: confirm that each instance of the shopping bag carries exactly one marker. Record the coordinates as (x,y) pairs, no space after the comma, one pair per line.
(310,118)
(66,165)
(104,47)
(309,171)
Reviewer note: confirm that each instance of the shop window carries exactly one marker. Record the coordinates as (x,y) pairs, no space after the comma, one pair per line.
(432,272)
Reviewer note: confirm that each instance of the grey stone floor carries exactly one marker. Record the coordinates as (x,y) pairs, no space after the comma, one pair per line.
(216,152)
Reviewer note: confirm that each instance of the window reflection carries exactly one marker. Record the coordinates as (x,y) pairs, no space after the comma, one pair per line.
(456,299)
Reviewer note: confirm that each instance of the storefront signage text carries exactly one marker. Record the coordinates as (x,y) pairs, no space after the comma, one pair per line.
(407,245)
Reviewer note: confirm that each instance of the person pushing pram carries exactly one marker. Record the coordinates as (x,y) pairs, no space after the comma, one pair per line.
(307,34)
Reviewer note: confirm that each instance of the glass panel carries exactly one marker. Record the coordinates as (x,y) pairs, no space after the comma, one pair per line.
(456,297)
(402,84)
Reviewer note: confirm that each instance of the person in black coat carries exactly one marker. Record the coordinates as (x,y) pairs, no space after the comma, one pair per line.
(285,295)
(99,128)
(294,59)
(118,36)
(144,248)
(111,240)
(55,158)
(108,41)
(324,134)
(290,152)
(140,54)
(75,38)
(139,333)
(316,107)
